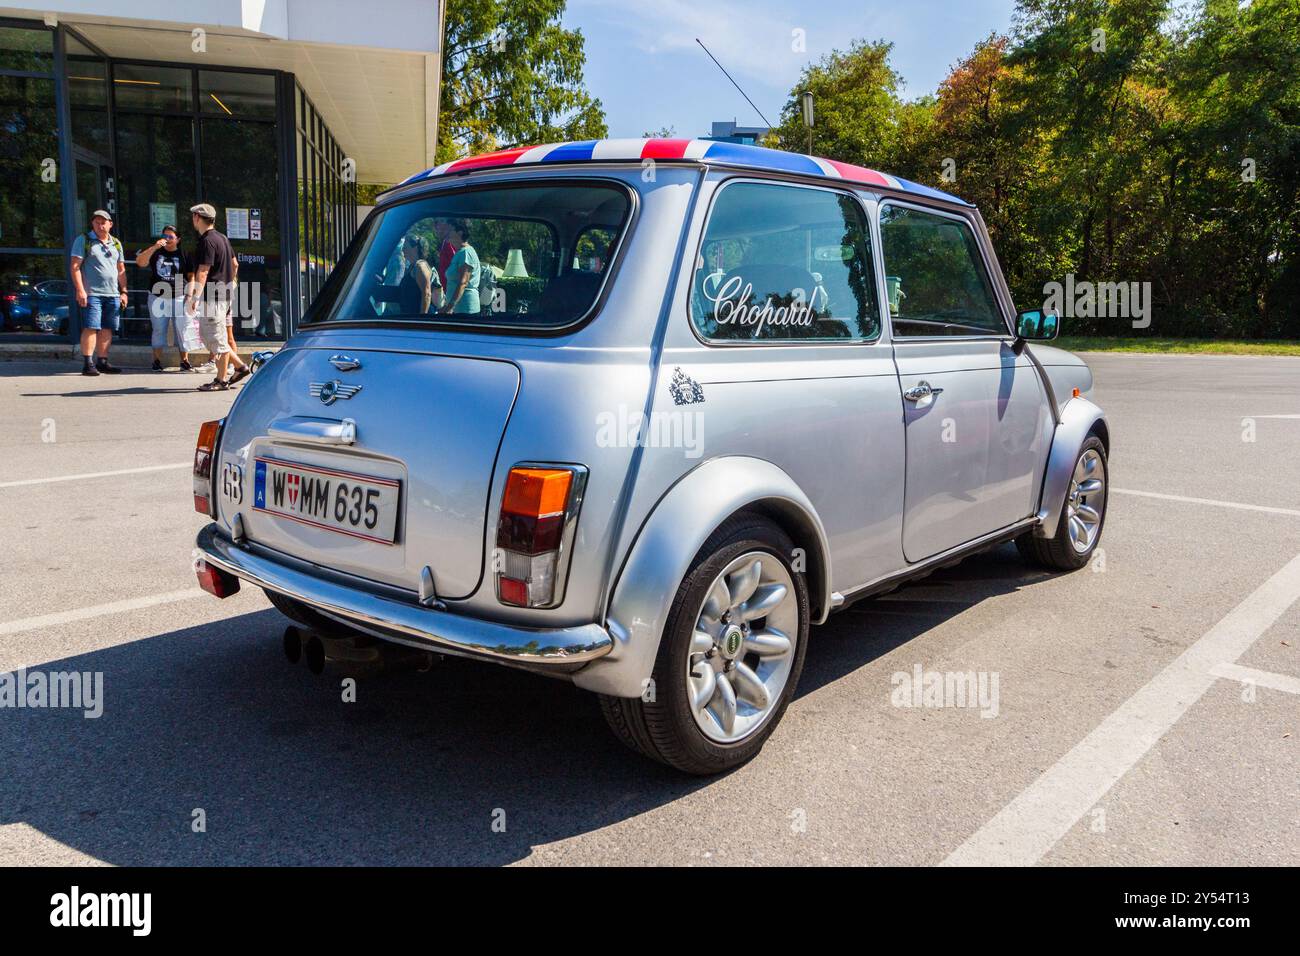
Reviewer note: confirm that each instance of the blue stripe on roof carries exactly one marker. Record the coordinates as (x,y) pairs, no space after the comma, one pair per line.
(912,187)
(762,158)
(571,152)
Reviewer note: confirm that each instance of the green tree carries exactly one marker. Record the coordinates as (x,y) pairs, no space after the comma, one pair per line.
(1089,75)
(512,75)
(1118,140)
(1235,186)
(856,106)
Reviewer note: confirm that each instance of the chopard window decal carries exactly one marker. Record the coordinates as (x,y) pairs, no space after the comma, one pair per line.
(734,304)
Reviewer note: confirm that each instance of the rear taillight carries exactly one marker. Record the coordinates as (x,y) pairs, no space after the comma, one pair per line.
(203,452)
(216,582)
(539,511)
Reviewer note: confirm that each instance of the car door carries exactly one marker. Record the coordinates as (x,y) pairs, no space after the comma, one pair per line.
(785,341)
(974,412)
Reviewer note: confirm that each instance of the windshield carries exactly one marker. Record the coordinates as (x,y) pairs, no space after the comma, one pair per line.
(533,256)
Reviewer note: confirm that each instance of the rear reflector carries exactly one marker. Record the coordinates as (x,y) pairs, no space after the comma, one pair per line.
(216,582)
(203,450)
(538,510)
(513,591)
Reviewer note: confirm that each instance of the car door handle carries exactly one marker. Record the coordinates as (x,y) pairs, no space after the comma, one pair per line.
(921,390)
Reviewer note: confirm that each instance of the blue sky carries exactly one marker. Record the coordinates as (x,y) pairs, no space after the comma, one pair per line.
(644,64)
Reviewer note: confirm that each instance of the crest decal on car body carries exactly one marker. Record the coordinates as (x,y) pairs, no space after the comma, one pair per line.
(684,389)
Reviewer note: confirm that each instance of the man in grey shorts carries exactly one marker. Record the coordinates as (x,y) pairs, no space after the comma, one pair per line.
(99,279)
(211,292)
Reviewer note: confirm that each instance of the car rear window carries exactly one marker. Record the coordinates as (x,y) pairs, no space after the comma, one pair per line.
(532,256)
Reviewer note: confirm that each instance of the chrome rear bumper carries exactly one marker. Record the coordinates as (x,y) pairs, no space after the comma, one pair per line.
(407,623)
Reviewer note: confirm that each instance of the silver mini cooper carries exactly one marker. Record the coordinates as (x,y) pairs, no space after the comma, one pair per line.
(640,413)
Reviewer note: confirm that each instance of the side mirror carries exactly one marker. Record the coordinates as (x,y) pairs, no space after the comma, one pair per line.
(1036,325)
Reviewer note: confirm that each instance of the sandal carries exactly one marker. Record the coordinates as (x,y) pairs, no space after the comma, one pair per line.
(216,385)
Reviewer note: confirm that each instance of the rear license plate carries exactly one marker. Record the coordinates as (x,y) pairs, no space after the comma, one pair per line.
(357,505)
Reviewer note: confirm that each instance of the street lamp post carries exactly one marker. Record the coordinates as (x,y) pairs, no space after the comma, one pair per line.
(806,101)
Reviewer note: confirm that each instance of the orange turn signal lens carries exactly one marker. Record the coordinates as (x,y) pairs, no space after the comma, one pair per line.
(203,449)
(1076,393)
(537,492)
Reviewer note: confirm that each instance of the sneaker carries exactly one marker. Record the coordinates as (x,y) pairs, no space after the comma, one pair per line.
(89,369)
(186,366)
(156,366)
(240,373)
(205,368)
(103,366)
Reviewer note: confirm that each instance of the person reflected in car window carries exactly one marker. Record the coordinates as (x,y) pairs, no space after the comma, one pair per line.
(446,252)
(463,273)
(419,289)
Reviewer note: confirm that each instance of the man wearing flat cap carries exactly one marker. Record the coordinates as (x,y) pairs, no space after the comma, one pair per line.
(99,279)
(212,291)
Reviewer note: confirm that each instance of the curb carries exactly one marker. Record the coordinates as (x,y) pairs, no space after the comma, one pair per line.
(126,356)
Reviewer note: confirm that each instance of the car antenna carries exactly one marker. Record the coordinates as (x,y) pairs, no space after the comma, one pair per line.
(733,82)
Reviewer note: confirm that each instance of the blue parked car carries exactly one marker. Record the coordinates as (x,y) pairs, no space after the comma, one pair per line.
(38,304)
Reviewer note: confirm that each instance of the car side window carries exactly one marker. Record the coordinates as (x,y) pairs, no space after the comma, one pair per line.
(935,277)
(784,263)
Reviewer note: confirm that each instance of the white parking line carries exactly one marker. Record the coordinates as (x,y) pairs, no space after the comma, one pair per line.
(1294,512)
(1031,824)
(94,474)
(1259,678)
(97,610)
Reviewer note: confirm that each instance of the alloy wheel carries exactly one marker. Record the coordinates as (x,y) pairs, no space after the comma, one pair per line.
(743,647)
(1086,502)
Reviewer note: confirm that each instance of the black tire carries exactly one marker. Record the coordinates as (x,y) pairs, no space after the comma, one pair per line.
(664,728)
(1057,553)
(301,614)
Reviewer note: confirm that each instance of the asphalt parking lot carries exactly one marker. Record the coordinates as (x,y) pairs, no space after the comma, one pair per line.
(1148,708)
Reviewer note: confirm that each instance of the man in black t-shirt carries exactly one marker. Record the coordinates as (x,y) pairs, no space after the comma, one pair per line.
(168,267)
(211,292)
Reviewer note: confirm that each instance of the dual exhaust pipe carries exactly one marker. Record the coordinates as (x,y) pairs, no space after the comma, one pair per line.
(353,651)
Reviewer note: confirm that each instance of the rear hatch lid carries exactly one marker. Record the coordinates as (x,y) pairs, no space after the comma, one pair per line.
(370,463)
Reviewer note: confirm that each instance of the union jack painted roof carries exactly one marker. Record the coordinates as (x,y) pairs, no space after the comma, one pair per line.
(681,150)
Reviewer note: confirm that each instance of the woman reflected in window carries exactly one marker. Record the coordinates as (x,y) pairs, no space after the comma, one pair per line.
(417,292)
(464,272)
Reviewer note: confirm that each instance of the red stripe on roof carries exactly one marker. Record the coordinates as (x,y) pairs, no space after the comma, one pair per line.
(502,157)
(859,174)
(664,148)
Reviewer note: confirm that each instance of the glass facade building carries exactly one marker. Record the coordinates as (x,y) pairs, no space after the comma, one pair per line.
(81,130)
